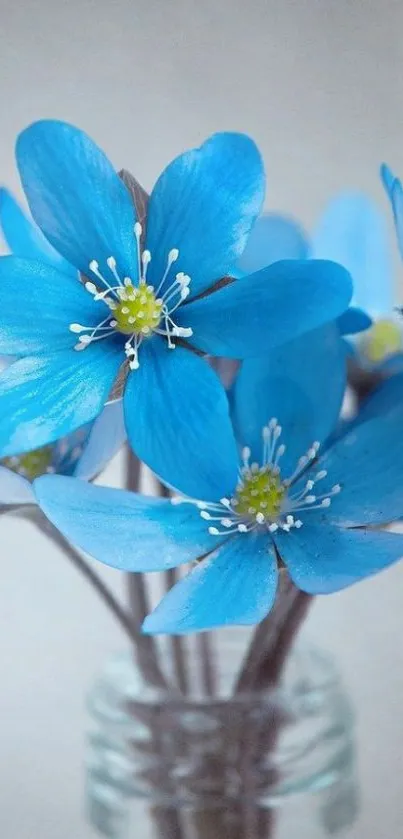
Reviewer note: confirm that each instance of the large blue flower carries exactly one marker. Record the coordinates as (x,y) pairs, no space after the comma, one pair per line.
(87,450)
(291,506)
(145,293)
(353,232)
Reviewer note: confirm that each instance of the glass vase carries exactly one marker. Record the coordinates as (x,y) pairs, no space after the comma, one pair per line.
(272,764)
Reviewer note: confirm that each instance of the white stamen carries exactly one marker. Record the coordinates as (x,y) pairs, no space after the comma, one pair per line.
(116,296)
(91,287)
(111,263)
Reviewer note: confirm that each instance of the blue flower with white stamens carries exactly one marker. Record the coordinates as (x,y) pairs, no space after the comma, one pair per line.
(86,451)
(154,294)
(297,501)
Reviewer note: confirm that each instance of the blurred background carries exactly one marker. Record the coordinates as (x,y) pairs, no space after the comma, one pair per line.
(318,84)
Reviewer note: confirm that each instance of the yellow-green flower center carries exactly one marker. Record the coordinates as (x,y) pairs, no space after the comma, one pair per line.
(262,498)
(138,310)
(261,492)
(32,464)
(135,311)
(382,340)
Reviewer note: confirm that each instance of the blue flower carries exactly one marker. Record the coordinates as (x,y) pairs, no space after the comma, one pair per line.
(290,506)
(144,292)
(83,453)
(352,232)
(87,450)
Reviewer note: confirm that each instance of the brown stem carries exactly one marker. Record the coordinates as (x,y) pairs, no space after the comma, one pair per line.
(204,643)
(271,668)
(262,667)
(166,819)
(178,645)
(266,634)
(145,648)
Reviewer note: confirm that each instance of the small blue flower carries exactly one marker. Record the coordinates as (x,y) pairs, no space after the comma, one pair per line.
(84,454)
(352,232)
(144,298)
(313,512)
(87,450)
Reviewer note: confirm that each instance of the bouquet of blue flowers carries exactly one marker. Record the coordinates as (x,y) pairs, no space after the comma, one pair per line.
(218,344)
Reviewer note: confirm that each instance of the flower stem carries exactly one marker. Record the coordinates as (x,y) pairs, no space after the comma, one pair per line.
(204,643)
(144,645)
(266,635)
(178,645)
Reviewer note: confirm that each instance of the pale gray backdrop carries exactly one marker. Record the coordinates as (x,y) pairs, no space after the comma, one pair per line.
(318,83)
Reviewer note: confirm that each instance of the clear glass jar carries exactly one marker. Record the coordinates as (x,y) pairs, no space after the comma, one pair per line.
(276,764)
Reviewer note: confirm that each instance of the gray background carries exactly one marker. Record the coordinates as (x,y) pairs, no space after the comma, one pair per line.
(319,86)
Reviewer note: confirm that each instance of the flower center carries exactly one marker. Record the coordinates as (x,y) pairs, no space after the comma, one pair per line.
(382,340)
(32,464)
(263,498)
(135,311)
(138,311)
(262,492)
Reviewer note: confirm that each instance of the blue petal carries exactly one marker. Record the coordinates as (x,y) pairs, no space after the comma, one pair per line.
(353,232)
(391,365)
(24,238)
(289,383)
(387,177)
(204,204)
(394,191)
(272,239)
(76,197)
(368,464)
(353,320)
(126,530)
(250,316)
(14,489)
(106,437)
(38,304)
(385,398)
(45,398)
(178,423)
(322,560)
(236,586)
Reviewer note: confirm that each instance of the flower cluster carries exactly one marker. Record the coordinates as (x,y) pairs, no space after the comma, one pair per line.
(111,308)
